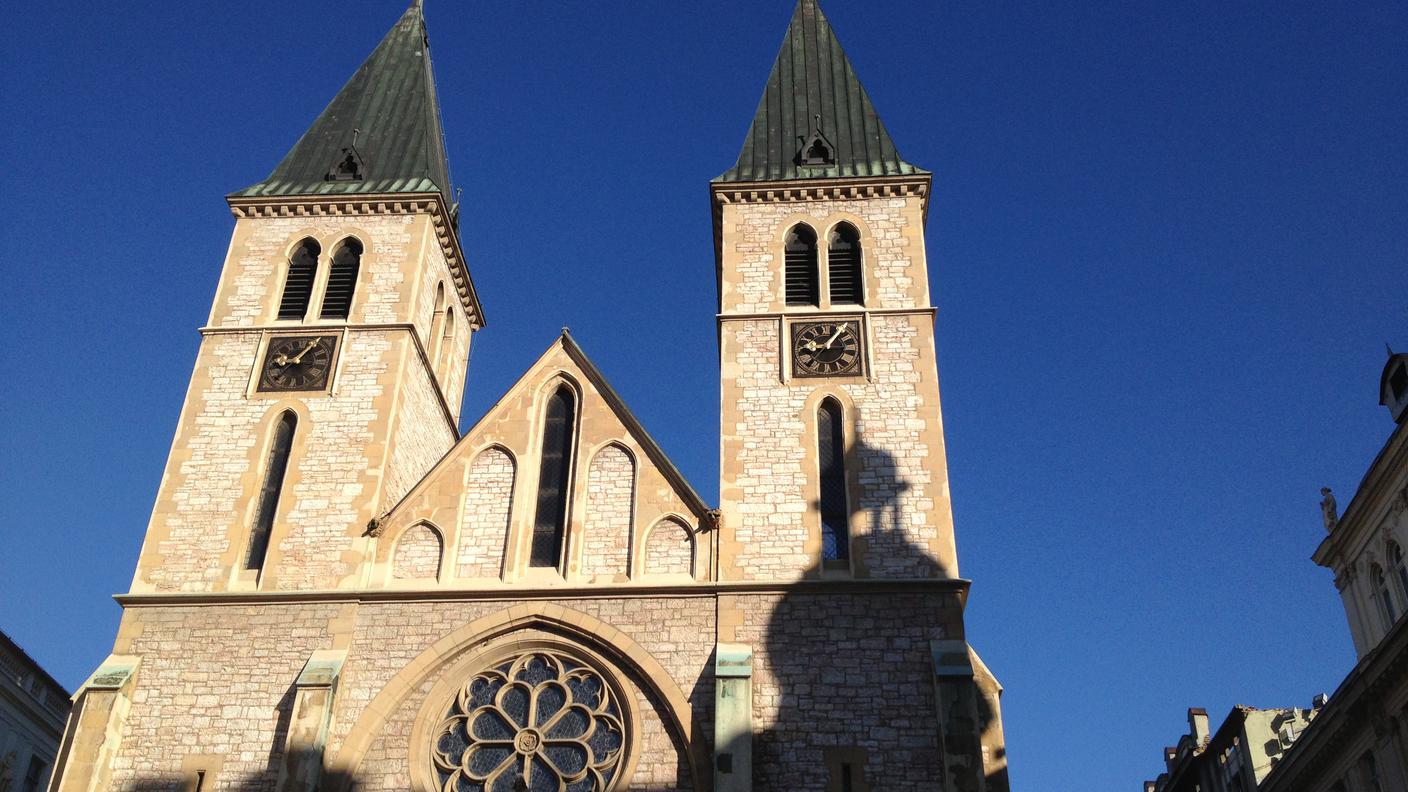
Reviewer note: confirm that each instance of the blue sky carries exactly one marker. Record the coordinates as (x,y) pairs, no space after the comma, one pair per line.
(1167,244)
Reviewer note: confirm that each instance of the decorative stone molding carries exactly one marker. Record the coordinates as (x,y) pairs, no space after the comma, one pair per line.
(820,190)
(311,720)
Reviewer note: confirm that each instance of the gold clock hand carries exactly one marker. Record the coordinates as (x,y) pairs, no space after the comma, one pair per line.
(835,336)
(299,359)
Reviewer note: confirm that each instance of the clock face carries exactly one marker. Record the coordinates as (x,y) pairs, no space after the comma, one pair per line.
(297,363)
(826,349)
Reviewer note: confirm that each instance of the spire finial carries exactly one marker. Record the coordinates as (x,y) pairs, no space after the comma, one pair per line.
(1389,348)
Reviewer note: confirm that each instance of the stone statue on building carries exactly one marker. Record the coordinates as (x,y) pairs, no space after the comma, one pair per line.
(1329,509)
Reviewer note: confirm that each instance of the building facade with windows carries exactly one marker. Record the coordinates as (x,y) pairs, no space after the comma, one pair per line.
(338,589)
(1359,741)
(1235,758)
(33,708)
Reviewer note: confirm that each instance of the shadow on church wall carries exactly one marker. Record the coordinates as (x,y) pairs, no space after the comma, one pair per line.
(855,678)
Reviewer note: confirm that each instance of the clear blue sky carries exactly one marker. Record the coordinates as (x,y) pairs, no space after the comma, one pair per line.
(1167,241)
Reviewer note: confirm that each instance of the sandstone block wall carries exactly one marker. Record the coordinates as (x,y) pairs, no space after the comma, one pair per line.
(611,494)
(897,480)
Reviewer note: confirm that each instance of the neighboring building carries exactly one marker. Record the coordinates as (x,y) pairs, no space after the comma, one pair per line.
(33,708)
(1236,757)
(337,589)
(1359,741)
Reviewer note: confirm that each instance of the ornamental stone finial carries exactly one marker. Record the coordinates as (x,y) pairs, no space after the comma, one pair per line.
(1329,509)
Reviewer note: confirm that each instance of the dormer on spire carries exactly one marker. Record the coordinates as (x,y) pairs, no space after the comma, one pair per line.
(812,82)
(380,134)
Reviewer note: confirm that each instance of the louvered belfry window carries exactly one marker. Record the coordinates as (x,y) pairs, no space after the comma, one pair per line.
(298,284)
(549,525)
(342,280)
(274,470)
(831,456)
(843,265)
(800,266)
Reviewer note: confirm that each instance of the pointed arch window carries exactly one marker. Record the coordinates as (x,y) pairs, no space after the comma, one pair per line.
(298,283)
(342,280)
(800,266)
(831,458)
(843,265)
(275,468)
(438,315)
(1383,598)
(550,520)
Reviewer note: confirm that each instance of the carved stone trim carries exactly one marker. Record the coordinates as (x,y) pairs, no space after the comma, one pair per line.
(820,190)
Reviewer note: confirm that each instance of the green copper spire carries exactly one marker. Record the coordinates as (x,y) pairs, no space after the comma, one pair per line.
(815,121)
(380,134)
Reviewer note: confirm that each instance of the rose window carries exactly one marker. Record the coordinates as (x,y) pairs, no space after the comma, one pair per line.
(541,722)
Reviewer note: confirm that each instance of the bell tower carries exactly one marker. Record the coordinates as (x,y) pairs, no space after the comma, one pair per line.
(331,367)
(832,440)
(836,525)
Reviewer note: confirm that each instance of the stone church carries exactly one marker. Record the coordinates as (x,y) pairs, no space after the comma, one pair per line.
(340,590)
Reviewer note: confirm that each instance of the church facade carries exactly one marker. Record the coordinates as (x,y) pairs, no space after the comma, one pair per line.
(339,590)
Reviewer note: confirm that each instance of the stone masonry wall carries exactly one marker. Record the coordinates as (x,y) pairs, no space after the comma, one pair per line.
(837,671)
(422,434)
(901,524)
(488,499)
(610,501)
(417,554)
(668,550)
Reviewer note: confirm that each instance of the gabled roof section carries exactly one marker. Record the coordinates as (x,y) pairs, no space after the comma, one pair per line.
(386,118)
(813,78)
(633,425)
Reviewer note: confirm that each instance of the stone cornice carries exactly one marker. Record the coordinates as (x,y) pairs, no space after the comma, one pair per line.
(1375,494)
(957,587)
(822,189)
(391,203)
(817,313)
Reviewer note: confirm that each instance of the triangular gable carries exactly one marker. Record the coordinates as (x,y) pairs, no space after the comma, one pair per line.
(605,420)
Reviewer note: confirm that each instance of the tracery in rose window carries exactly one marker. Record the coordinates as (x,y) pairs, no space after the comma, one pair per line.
(540,722)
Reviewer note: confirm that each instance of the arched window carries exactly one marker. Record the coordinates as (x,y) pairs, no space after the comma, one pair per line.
(831,459)
(447,343)
(437,320)
(799,257)
(342,280)
(1383,598)
(1400,567)
(550,522)
(843,265)
(274,469)
(298,284)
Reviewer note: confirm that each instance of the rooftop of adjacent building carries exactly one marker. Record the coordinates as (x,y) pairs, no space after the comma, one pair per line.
(22,676)
(1286,723)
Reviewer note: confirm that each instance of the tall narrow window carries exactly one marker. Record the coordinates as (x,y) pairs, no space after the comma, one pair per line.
(843,265)
(800,266)
(298,284)
(437,321)
(831,456)
(1382,596)
(1400,567)
(342,280)
(549,525)
(274,469)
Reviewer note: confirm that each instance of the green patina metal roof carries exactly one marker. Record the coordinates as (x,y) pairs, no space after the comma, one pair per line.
(391,102)
(812,77)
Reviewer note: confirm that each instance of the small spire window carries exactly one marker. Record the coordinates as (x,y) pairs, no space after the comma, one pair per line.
(831,459)
(342,280)
(800,266)
(298,283)
(843,265)
(550,521)
(275,468)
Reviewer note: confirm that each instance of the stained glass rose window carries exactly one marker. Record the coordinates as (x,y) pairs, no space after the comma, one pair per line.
(541,722)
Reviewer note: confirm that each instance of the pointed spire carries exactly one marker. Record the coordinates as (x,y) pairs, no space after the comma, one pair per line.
(380,134)
(815,121)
